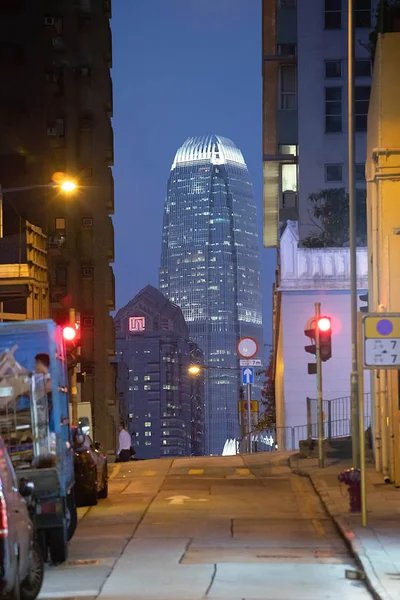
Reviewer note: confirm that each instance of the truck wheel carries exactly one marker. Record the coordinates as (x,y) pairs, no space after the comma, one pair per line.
(41,538)
(73,514)
(32,584)
(58,544)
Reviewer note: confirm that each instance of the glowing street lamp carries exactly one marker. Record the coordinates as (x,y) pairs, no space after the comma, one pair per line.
(68,186)
(194,369)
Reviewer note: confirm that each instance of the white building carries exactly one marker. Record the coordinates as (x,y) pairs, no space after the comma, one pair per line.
(310,275)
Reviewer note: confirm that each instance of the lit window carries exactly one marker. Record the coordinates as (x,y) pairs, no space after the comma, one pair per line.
(135,388)
(361,103)
(147,433)
(147,443)
(333,14)
(362,13)
(333,172)
(136,378)
(289,178)
(333,69)
(147,377)
(147,387)
(164,442)
(147,424)
(333,109)
(288,87)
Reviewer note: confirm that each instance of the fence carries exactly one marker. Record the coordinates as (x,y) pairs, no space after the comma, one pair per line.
(337,424)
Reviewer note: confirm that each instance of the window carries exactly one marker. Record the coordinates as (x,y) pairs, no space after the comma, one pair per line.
(333,69)
(289,178)
(283,149)
(60,224)
(147,433)
(146,377)
(333,172)
(362,13)
(136,378)
(147,424)
(147,387)
(361,103)
(287,49)
(333,109)
(333,14)
(87,222)
(360,172)
(135,388)
(61,275)
(147,443)
(363,68)
(288,87)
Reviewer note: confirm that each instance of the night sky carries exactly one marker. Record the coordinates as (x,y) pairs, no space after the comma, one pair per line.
(180,68)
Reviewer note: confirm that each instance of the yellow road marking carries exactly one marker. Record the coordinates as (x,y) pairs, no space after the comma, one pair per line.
(196,471)
(150,473)
(243,471)
(116,470)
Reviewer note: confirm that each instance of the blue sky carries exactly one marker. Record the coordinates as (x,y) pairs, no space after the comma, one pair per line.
(180,68)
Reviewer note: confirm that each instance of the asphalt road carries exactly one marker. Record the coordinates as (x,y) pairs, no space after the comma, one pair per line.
(231,528)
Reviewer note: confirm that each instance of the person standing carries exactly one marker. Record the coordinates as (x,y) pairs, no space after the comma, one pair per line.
(124,444)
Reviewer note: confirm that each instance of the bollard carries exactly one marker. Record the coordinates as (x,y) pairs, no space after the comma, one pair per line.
(352,478)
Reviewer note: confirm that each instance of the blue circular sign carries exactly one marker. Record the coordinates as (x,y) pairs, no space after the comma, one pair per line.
(384,327)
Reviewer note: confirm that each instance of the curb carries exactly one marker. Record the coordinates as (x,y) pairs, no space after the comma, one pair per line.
(351,540)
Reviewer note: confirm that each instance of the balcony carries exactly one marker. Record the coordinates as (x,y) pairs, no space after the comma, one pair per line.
(110,299)
(110,193)
(109,153)
(110,240)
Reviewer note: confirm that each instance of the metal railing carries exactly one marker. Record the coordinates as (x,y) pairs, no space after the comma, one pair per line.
(334,411)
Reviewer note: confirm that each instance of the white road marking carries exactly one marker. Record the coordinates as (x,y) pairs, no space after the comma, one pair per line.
(183,499)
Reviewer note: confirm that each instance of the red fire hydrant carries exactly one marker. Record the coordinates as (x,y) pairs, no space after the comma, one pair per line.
(352,478)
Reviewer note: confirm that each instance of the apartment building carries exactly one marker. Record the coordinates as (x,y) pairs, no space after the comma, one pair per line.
(305,61)
(55,116)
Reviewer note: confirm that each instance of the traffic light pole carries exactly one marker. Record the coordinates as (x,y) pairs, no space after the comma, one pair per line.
(74,384)
(353,244)
(319,388)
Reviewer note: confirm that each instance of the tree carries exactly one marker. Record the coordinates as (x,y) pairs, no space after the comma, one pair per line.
(387,19)
(268,418)
(330,214)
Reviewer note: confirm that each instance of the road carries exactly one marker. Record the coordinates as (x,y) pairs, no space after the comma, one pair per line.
(218,528)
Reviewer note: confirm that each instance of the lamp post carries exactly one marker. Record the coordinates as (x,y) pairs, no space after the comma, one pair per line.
(196,369)
(65,184)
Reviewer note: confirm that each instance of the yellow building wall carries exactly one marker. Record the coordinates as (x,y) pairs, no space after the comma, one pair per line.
(383,209)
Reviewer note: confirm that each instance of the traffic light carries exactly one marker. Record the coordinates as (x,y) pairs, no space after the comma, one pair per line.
(325,337)
(71,335)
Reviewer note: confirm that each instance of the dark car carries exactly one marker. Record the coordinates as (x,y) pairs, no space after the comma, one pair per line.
(91,469)
(21,561)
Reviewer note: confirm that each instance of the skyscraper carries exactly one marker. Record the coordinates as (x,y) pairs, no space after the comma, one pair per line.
(210,267)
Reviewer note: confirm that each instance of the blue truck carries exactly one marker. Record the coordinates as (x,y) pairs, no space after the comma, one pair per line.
(34,423)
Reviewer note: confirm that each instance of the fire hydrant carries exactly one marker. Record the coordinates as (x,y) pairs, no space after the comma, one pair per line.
(352,478)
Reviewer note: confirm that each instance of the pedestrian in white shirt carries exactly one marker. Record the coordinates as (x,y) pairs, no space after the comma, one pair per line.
(124,444)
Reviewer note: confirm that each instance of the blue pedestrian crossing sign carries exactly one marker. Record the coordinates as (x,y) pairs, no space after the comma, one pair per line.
(248,375)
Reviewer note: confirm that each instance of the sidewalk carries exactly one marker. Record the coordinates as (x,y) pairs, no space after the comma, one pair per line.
(377,547)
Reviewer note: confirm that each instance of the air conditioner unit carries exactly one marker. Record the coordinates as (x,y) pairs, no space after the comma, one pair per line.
(52,131)
(87,271)
(49,21)
(88,321)
(87,222)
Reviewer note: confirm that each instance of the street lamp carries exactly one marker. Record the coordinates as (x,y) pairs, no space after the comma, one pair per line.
(63,183)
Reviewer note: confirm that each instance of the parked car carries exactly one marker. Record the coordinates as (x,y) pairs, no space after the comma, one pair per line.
(21,560)
(91,469)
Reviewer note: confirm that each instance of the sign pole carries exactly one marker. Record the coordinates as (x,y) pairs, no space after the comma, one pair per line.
(363,472)
(249,416)
(319,384)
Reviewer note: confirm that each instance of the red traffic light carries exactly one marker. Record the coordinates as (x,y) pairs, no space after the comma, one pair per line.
(69,333)
(324,324)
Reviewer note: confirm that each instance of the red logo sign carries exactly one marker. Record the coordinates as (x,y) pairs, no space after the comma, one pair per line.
(137,324)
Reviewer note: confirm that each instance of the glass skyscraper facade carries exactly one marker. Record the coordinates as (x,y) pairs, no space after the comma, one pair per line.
(210,267)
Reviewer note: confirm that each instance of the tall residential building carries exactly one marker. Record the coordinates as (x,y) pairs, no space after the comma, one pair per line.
(305,104)
(210,267)
(305,60)
(162,403)
(55,116)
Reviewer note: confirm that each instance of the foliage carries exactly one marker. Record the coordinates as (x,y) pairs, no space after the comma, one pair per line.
(330,214)
(268,418)
(387,20)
